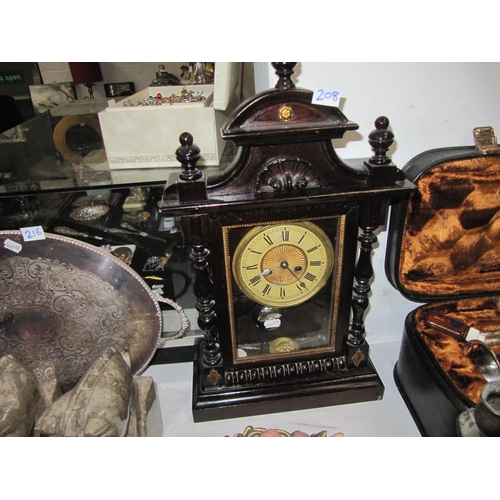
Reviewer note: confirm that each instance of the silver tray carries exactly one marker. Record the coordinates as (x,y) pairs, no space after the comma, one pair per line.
(63,302)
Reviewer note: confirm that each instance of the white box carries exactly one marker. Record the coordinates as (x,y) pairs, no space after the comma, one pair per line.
(148,136)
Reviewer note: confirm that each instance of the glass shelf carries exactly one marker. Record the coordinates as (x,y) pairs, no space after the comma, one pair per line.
(43,155)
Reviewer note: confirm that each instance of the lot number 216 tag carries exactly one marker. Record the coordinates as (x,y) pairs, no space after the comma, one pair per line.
(33,233)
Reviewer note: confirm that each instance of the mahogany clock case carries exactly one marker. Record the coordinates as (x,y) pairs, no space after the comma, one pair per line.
(444,252)
(285,176)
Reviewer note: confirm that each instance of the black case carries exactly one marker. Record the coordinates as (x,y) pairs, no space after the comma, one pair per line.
(448,224)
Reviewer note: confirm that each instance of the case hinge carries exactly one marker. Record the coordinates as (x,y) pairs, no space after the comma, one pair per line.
(485,140)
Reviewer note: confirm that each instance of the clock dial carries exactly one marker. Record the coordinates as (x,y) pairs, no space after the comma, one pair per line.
(283,265)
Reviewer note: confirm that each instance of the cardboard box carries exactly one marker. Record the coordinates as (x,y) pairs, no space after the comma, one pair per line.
(148,136)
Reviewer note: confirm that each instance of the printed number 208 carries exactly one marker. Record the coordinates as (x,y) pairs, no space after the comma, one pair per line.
(324,96)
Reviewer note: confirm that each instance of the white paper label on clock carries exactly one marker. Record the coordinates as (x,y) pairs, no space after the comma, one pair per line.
(12,245)
(272,323)
(32,233)
(327,97)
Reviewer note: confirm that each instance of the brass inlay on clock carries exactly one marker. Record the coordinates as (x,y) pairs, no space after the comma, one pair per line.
(214,377)
(358,357)
(286,113)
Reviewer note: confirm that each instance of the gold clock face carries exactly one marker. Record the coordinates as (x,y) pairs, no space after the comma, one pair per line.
(282,265)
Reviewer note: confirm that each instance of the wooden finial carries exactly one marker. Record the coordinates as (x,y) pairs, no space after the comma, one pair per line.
(381,140)
(191,185)
(284,70)
(187,155)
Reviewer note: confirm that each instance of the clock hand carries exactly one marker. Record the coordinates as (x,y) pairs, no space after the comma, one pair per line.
(302,284)
(267,272)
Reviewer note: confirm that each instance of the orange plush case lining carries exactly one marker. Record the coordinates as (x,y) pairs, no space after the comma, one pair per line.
(481,313)
(450,247)
(451,237)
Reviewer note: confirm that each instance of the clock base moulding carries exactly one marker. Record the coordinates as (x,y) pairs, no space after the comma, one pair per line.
(319,387)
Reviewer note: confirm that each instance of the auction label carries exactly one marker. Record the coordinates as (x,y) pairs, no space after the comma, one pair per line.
(33,233)
(327,97)
(12,245)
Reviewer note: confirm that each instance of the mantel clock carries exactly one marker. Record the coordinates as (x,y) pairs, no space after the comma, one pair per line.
(281,242)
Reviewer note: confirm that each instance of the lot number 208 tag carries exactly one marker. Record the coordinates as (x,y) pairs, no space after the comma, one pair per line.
(327,97)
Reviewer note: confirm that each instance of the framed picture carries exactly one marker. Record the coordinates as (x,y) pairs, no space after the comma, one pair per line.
(50,95)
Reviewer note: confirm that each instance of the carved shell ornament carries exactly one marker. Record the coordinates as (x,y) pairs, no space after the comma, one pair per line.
(286,175)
